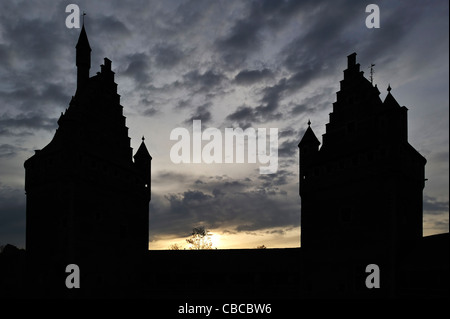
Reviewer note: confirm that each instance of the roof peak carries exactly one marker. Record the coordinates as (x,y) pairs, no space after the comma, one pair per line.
(142,151)
(83,41)
(390,100)
(309,137)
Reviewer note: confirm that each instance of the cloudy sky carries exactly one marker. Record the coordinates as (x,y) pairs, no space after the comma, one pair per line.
(260,64)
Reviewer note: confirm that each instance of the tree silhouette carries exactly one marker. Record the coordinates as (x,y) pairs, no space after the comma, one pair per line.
(175,247)
(200,239)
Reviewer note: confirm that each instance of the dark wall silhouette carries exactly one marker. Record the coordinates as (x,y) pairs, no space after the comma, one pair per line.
(366,181)
(361,191)
(87,200)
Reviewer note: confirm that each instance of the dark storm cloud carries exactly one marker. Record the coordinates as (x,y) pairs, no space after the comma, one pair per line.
(433,206)
(8,150)
(6,56)
(32,38)
(288,132)
(167,55)
(267,110)
(28,121)
(30,98)
(209,84)
(202,113)
(165,177)
(320,100)
(242,39)
(327,40)
(138,68)
(326,37)
(243,112)
(271,97)
(33,85)
(329,30)
(299,109)
(217,210)
(221,185)
(246,33)
(288,148)
(195,197)
(8,133)
(181,18)
(441,156)
(222,202)
(270,181)
(397,23)
(203,82)
(28,48)
(109,26)
(326,34)
(248,77)
(150,111)
(148,107)
(183,104)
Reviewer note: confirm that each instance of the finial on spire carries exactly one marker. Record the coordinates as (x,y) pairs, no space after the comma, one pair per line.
(84,13)
(309,122)
(389,88)
(143,138)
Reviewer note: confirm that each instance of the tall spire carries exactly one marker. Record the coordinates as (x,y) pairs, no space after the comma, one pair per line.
(83,58)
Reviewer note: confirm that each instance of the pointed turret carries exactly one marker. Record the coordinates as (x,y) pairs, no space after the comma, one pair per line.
(142,160)
(390,101)
(309,140)
(83,58)
(142,153)
(309,149)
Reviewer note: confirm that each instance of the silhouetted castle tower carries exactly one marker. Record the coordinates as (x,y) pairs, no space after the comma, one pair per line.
(362,190)
(87,201)
(83,59)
